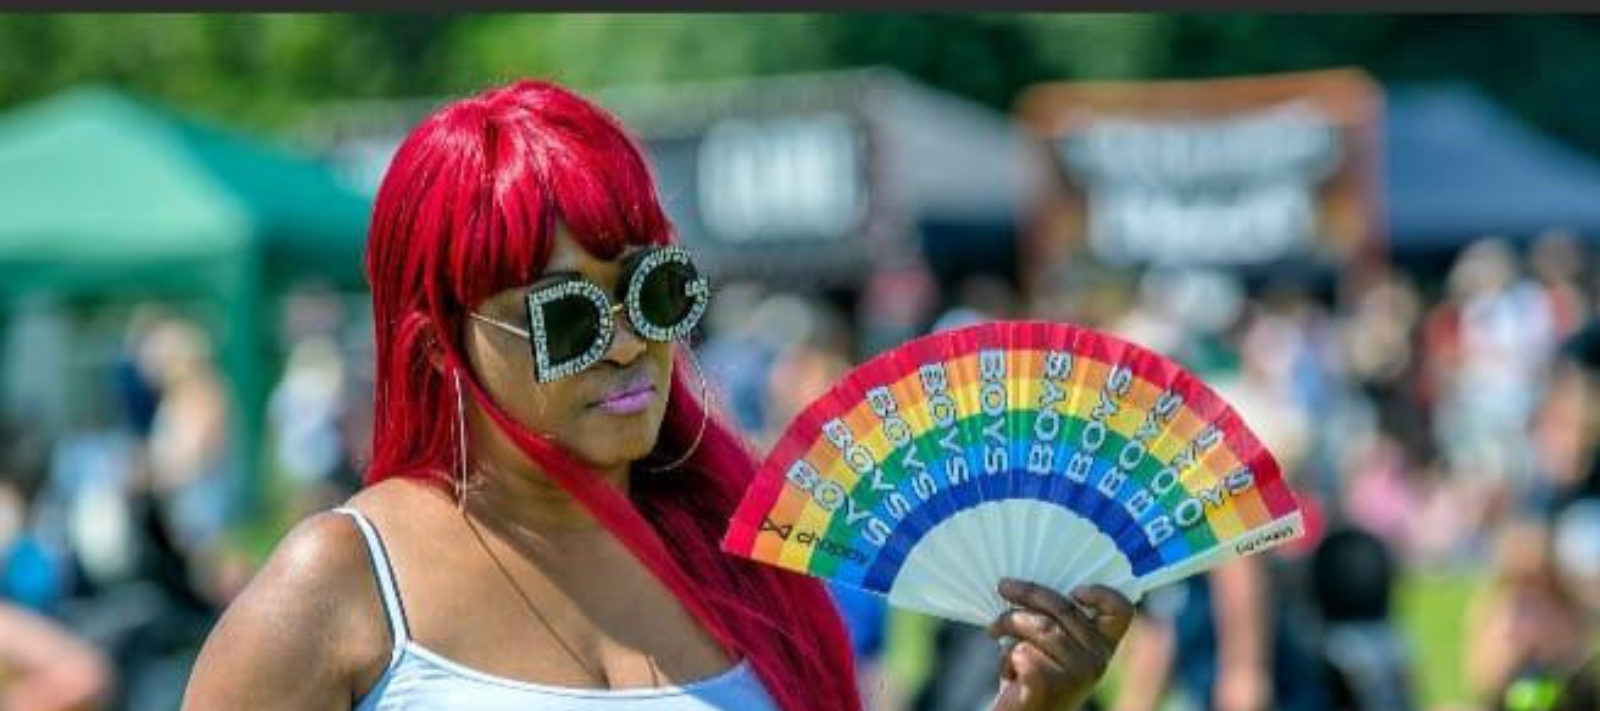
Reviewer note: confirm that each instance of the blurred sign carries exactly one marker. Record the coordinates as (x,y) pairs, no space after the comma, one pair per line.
(1221,172)
(781,179)
(1247,183)
(771,197)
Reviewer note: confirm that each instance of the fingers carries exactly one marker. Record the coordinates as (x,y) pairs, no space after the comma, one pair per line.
(1112,612)
(1059,612)
(1041,682)
(1037,670)
(1008,699)
(1063,645)
(1044,632)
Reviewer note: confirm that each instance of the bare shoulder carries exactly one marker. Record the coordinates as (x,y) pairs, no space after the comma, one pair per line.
(307,632)
(397,496)
(407,514)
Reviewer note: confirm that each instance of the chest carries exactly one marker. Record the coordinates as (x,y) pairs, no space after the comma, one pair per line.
(607,624)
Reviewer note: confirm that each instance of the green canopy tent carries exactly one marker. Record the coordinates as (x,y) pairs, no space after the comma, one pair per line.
(103,194)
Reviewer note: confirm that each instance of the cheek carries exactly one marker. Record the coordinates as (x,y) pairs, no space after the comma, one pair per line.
(507,373)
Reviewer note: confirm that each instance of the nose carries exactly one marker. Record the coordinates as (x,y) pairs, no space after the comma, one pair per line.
(626,345)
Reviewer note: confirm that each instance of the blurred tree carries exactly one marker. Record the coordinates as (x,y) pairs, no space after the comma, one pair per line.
(246,69)
(1537,65)
(262,70)
(591,50)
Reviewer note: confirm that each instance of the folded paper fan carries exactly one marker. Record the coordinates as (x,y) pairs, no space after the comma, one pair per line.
(1040,451)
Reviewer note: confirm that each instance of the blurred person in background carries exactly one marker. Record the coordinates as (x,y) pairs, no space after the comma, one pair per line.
(138,393)
(188,443)
(738,350)
(45,667)
(150,561)
(1560,264)
(305,410)
(542,530)
(356,424)
(1567,427)
(1153,319)
(1083,294)
(1184,314)
(1576,548)
(1390,482)
(308,408)
(35,565)
(813,355)
(895,306)
(1494,337)
(1576,533)
(1563,435)
(1525,626)
(979,298)
(1363,651)
(1378,338)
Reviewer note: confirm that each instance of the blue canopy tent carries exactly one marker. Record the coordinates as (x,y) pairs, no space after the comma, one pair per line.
(1459,167)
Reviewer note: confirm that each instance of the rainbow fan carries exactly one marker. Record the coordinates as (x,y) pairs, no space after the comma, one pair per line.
(1040,451)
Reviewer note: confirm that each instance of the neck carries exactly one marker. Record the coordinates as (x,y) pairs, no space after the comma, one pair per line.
(520,498)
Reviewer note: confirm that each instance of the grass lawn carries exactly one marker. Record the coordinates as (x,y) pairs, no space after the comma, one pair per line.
(1433,608)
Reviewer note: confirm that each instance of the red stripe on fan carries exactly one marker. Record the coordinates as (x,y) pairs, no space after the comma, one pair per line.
(740,538)
(1280,499)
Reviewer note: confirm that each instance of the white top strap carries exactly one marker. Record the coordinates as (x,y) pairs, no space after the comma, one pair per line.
(384,573)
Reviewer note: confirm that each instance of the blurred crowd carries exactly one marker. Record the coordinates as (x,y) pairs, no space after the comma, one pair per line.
(1434,423)
(122,535)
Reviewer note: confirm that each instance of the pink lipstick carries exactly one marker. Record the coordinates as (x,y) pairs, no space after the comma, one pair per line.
(628,400)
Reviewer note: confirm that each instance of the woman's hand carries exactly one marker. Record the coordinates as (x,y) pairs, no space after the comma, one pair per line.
(1062,646)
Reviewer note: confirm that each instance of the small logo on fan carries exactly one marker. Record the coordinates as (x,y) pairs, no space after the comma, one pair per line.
(1265,540)
(782,531)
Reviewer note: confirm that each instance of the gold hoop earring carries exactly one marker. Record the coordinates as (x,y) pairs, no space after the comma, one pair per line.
(705,415)
(461,445)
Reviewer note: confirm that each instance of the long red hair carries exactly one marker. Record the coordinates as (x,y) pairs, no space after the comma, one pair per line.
(468,208)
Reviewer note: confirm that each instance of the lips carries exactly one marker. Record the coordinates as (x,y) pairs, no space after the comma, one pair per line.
(628,399)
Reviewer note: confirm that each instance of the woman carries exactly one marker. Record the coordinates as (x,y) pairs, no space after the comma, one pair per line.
(1526,629)
(541,522)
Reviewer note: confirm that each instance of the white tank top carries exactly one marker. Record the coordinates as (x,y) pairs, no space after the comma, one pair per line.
(419,678)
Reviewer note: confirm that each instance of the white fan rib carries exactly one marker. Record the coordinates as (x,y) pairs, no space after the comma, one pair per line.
(922,580)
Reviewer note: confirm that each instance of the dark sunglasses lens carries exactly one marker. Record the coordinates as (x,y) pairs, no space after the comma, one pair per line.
(571,326)
(664,295)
